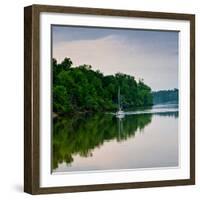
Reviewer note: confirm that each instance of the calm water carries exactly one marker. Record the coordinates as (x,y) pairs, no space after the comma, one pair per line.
(142,139)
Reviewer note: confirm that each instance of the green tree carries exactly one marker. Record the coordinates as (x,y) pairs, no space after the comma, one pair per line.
(66,64)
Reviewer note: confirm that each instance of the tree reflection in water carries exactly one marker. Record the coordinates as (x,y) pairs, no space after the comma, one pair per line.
(168,114)
(81,134)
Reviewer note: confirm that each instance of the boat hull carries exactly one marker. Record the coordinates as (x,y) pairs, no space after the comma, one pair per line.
(120,114)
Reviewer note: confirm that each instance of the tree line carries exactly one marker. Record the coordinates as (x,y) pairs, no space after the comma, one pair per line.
(82,89)
(165,96)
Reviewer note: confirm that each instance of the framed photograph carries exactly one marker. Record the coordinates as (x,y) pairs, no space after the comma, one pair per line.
(109,99)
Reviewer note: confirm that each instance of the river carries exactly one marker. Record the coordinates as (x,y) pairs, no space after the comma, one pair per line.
(144,138)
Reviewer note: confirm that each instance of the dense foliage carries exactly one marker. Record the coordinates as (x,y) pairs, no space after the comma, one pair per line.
(165,96)
(82,89)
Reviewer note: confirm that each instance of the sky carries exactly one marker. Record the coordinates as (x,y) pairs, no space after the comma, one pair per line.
(145,54)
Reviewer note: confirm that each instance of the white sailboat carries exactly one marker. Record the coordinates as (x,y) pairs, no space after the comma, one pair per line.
(120,113)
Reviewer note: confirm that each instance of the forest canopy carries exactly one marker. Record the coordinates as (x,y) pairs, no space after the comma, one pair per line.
(81,89)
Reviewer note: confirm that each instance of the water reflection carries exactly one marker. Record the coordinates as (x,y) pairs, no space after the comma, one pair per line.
(144,138)
(168,114)
(81,134)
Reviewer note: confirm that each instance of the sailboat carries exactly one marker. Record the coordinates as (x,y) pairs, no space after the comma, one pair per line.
(120,113)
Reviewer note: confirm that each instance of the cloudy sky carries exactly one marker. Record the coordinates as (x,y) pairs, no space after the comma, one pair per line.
(148,55)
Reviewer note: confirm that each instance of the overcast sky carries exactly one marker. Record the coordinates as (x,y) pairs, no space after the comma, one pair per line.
(149,55)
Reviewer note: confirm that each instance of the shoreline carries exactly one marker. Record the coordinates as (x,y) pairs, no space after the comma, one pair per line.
(55,114)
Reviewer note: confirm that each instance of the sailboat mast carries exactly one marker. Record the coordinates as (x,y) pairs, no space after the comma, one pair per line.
(119,99)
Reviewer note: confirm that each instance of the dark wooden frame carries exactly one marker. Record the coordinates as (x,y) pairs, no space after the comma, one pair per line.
(32,106)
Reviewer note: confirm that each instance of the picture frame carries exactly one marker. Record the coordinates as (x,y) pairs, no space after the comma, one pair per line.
(33,72)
